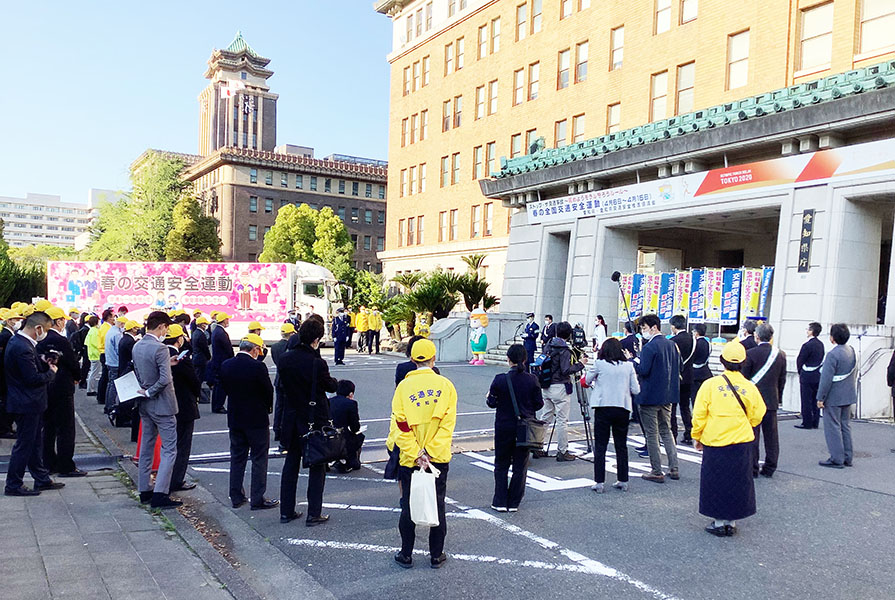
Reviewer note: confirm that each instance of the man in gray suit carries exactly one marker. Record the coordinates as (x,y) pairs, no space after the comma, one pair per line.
(158,407)
(835,394)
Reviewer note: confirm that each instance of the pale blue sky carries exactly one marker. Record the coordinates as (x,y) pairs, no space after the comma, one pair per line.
(89,85)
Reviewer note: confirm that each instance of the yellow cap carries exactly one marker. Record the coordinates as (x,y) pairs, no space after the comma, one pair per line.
(4,314)
(18,305)
(27,310)
(174,331)
(171,313)
(213,313)
(197,313)
(131,325)
(42,305)
(255,325)
(54,312)
(287,328)
(220,317)
(201,321)
(255,339)
(733,352)
(121,320)
(74,310)
(422,350)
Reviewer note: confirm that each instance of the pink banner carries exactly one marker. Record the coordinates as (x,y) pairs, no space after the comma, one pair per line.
(247,291)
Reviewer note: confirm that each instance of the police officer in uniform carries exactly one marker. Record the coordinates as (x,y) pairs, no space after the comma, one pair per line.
(341,335)
(530,339)
(809,361)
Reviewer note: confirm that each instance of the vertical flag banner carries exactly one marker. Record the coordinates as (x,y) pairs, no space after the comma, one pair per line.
(731,280)
(666,296)
(697,296)
(624,297)
(713,288)
(750,292)
(682,293)
(636,295)
(767,275)
(651,283)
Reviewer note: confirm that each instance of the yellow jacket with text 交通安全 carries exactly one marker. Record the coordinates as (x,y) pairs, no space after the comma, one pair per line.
(718,418)
(360,323)
(424,414)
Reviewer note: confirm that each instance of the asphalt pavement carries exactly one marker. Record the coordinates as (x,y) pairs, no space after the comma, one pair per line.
(817,532)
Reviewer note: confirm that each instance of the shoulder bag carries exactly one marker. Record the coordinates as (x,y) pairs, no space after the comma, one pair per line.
(323,446)
(736,395)
(530,433)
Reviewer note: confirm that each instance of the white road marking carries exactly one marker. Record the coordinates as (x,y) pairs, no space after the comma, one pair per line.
(301,474)
(538,481)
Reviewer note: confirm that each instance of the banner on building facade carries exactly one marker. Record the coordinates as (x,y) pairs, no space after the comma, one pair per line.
(851,162)
(681,292)
(624,296)
(637,295)
(730,296)
(651,283)
(696,311)
(750,293)
(666,295)
(713,289)
(767,275)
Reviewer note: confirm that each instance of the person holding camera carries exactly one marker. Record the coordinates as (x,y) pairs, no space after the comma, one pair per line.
(514,395)
(558,397)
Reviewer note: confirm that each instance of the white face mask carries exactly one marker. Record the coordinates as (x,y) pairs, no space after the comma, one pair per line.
(41,335)
(646,334)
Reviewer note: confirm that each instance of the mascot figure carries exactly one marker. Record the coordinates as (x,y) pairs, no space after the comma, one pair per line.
(478,340)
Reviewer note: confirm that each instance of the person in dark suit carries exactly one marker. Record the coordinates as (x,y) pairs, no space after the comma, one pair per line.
(59,420)
(747,334)
(630,341)
(686,347)
(530,340)
(528,398)
(343,407)
(27,377)
(287,331)
(71,325)
(221,350)
(78,342)
(245,383)
(658,368)
(305,379)
(126,347)
(701,355)
(808,363)
(766,366)
(340,335)
(201,356)
(549,331)
(186,390)
(11,321)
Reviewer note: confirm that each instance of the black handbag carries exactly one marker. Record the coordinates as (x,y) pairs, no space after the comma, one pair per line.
(530,432)
(323,446)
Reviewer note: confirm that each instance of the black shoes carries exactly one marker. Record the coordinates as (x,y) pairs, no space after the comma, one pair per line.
(91,393)
(220,411)
(404,561)
(160,500)
(674,474)
(145,497)
(438,562)
(829,463)
(53,485)
(800,426)
(290,518)
(767,474)
(266,504)
(538,454)
(238,503)
(75,473)
(314,521)
(719,531)
(21,491)
(565,456)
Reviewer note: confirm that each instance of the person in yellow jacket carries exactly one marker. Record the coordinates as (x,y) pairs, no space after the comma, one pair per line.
(424,414)
(422,326)
(374,327)
(362,325)
(727,408)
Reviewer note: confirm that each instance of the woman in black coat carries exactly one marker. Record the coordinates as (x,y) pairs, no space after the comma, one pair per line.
(529,400)
(186,388)
(305,379)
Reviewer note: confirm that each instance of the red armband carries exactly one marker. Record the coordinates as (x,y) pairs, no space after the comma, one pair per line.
(403,426)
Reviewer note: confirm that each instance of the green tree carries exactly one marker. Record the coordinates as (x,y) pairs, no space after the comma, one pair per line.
(37,256)
(436,294)
(4,246)
(332,247)
(474,261)
(409,280)
(291,238)
(194,236)
(368,289)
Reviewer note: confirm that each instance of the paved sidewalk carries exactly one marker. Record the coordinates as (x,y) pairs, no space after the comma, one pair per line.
(93,540)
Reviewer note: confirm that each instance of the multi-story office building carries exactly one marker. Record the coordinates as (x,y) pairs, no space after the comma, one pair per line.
(242,177)
(476,80)
(41,219)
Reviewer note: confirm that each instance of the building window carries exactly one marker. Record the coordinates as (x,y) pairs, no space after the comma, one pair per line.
(658,96)
(617,55)
(299,181)
(382,192)
(816,48)
(368,243)
(341,186)
(582,4)
(452,8)
(565,9)
(268,178)
(559,130)
(403,183)
(480,102)
(455,168)
(581,62)
(515,145)
(686,75)
(442,226)
(490,158)
(428,16)
(411,230)
(492,97)
(253,233)
(483,42)
(313,184)
(475,229)
(445,115)
(411,180)
(424,125)
(253,204)
(253,175)
(354,241)
(458,110)
(409,33)
(477,162)
(534,71)
(577,128)
(613,117)
(401,232)
(368,216)
(419,229)
(448,59)
(877,24)
(521,20)
(737,59)
(445,171)
(489,218)
(416,76)
(342,213)
(530,137)
(380,243)
(268,205)
(425,71)
(536,15)
(562,69)
(422,177)
(380,217)
(495,35)
(663,16)
(460,53)
(328,185)
(518,86)
(689,8)
(453,225)
(354,215)
(368,190)
(284,180)
(406,81)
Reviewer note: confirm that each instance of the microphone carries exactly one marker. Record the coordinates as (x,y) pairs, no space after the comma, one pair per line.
(616,276)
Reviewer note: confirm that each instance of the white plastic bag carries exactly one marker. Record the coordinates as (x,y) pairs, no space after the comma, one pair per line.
(423,500)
